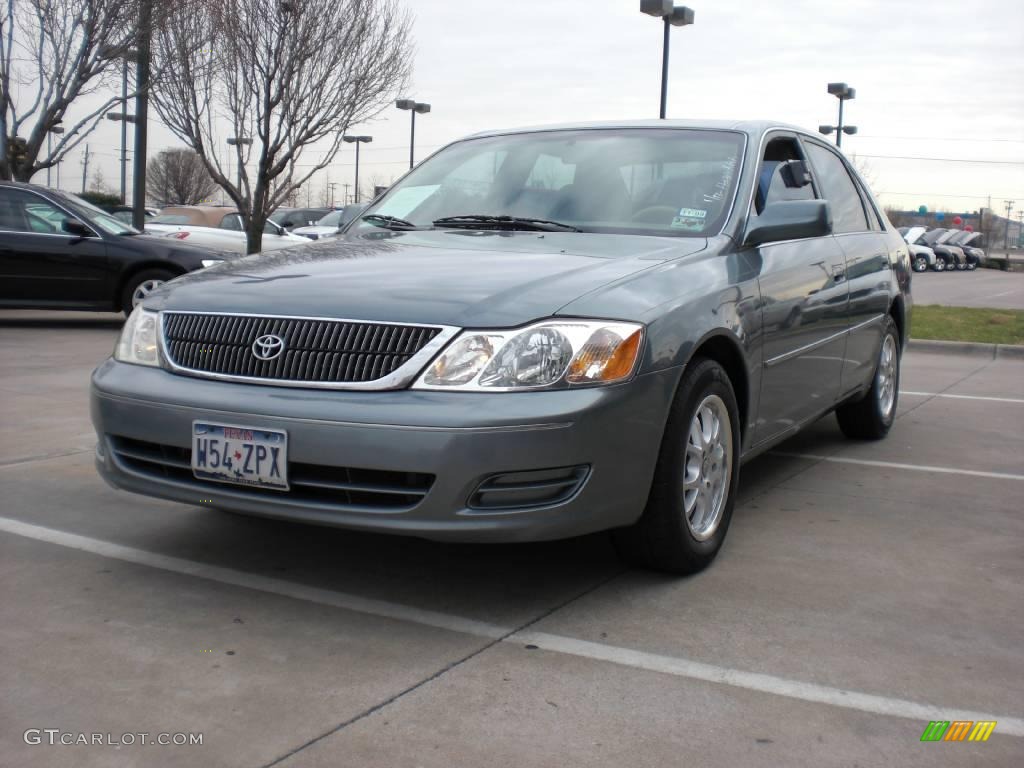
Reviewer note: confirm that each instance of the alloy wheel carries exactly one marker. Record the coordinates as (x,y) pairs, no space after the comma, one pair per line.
(886,376)
(707,469)
(143,289)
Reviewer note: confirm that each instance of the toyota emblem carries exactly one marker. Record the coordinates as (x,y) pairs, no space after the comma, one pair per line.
(268,347)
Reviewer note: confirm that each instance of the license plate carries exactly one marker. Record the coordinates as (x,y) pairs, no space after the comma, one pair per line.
(241,455)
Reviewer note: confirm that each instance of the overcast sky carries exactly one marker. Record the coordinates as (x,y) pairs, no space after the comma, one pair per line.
(940,79)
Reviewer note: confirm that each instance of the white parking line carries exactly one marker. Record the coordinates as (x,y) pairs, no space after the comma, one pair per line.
(964,397)
(736,678)
(895,465)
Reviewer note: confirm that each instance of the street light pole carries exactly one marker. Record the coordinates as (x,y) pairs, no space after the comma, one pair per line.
(413,106)
(141,115)
(237,141)
(357,140)
(843,92)
(49,152)
(673,16)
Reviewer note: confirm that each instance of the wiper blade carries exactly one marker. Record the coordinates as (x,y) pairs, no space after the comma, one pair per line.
(474,221)
(389,222)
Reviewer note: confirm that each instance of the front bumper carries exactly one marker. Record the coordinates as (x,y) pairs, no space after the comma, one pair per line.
(611,434)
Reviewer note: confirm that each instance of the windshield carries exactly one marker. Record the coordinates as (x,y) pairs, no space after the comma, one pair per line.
(100,218)
(639,181)
(332,219)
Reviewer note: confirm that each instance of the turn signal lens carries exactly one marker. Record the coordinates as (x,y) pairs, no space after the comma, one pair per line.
(606,357)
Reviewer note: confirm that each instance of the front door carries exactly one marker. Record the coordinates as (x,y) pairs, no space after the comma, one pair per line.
(42,264)
(804,309)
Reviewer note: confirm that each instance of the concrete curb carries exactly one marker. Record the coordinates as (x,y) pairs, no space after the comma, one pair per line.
(973,348)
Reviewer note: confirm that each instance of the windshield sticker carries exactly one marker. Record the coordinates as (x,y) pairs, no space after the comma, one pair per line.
(689,223)
(692,213)
(717,195)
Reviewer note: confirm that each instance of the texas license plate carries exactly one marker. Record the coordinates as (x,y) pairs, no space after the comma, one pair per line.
(242,455)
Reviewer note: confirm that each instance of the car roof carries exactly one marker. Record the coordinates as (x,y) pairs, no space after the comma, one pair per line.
(751,127)
(200,215)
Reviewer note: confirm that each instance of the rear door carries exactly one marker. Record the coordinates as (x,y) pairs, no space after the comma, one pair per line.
(42,264)
(804,308)
(858,230)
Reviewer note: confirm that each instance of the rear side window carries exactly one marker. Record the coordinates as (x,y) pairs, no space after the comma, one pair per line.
(838,188)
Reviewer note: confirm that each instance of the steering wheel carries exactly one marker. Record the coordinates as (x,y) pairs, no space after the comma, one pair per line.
(654,214)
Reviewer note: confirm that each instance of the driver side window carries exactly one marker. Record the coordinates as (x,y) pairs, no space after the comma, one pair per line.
(772,182)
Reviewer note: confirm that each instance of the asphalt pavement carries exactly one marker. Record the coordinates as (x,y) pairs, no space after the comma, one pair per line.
(980,288)
(864,590)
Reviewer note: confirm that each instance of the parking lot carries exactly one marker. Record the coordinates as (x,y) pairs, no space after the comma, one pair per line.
(980,288)
(864,590)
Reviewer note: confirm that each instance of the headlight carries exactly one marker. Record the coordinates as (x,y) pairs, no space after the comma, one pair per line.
(210,262)
(138,342)
(551,354)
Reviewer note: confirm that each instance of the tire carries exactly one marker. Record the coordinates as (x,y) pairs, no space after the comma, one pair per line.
(972,265)
(920,264)
(940,264)
(870,417)
(694,488)
(141,285)
(960,266)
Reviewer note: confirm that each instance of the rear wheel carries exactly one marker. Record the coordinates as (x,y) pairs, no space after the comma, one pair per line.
(694,488)
(870,417)
(140,285)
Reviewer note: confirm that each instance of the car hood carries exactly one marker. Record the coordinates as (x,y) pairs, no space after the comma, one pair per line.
(467,278)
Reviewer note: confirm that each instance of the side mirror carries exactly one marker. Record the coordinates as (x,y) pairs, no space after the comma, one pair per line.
(795,174)
(76,228)
(790,220)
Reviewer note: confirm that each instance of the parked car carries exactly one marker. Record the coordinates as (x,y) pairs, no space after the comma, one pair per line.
(962,240)
(332,224)
(953,256)
(125,213)
(290,218)
(922,258)
(534,334)
(60,252)
(219,227)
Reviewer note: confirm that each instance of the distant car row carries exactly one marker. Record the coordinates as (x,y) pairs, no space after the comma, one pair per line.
(942,250)
(223,228)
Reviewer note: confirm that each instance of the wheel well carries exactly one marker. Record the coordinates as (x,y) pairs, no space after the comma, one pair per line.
(136,269)
(725,352)
(899,317)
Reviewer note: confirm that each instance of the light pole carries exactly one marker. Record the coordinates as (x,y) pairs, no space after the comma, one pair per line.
(49,152)
(843,92)
(126,55)
(235,141)
(414,107)
(673,16)
(357,140)
(123,118)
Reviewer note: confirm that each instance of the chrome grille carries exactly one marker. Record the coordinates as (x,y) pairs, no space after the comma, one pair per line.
(316,351)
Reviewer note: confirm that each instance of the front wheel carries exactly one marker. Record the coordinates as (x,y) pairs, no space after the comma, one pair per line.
(871,417)
(141,285)
(694,488)
(920,264)
(939,265)
(972,265)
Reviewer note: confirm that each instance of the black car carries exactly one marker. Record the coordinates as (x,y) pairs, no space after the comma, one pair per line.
(290,218)
(60,252)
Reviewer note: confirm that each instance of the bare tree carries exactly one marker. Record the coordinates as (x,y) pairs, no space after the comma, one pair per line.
(52,53)
(281,75)
(178,177)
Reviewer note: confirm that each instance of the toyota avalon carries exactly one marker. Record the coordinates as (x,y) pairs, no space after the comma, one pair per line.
(535,334)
